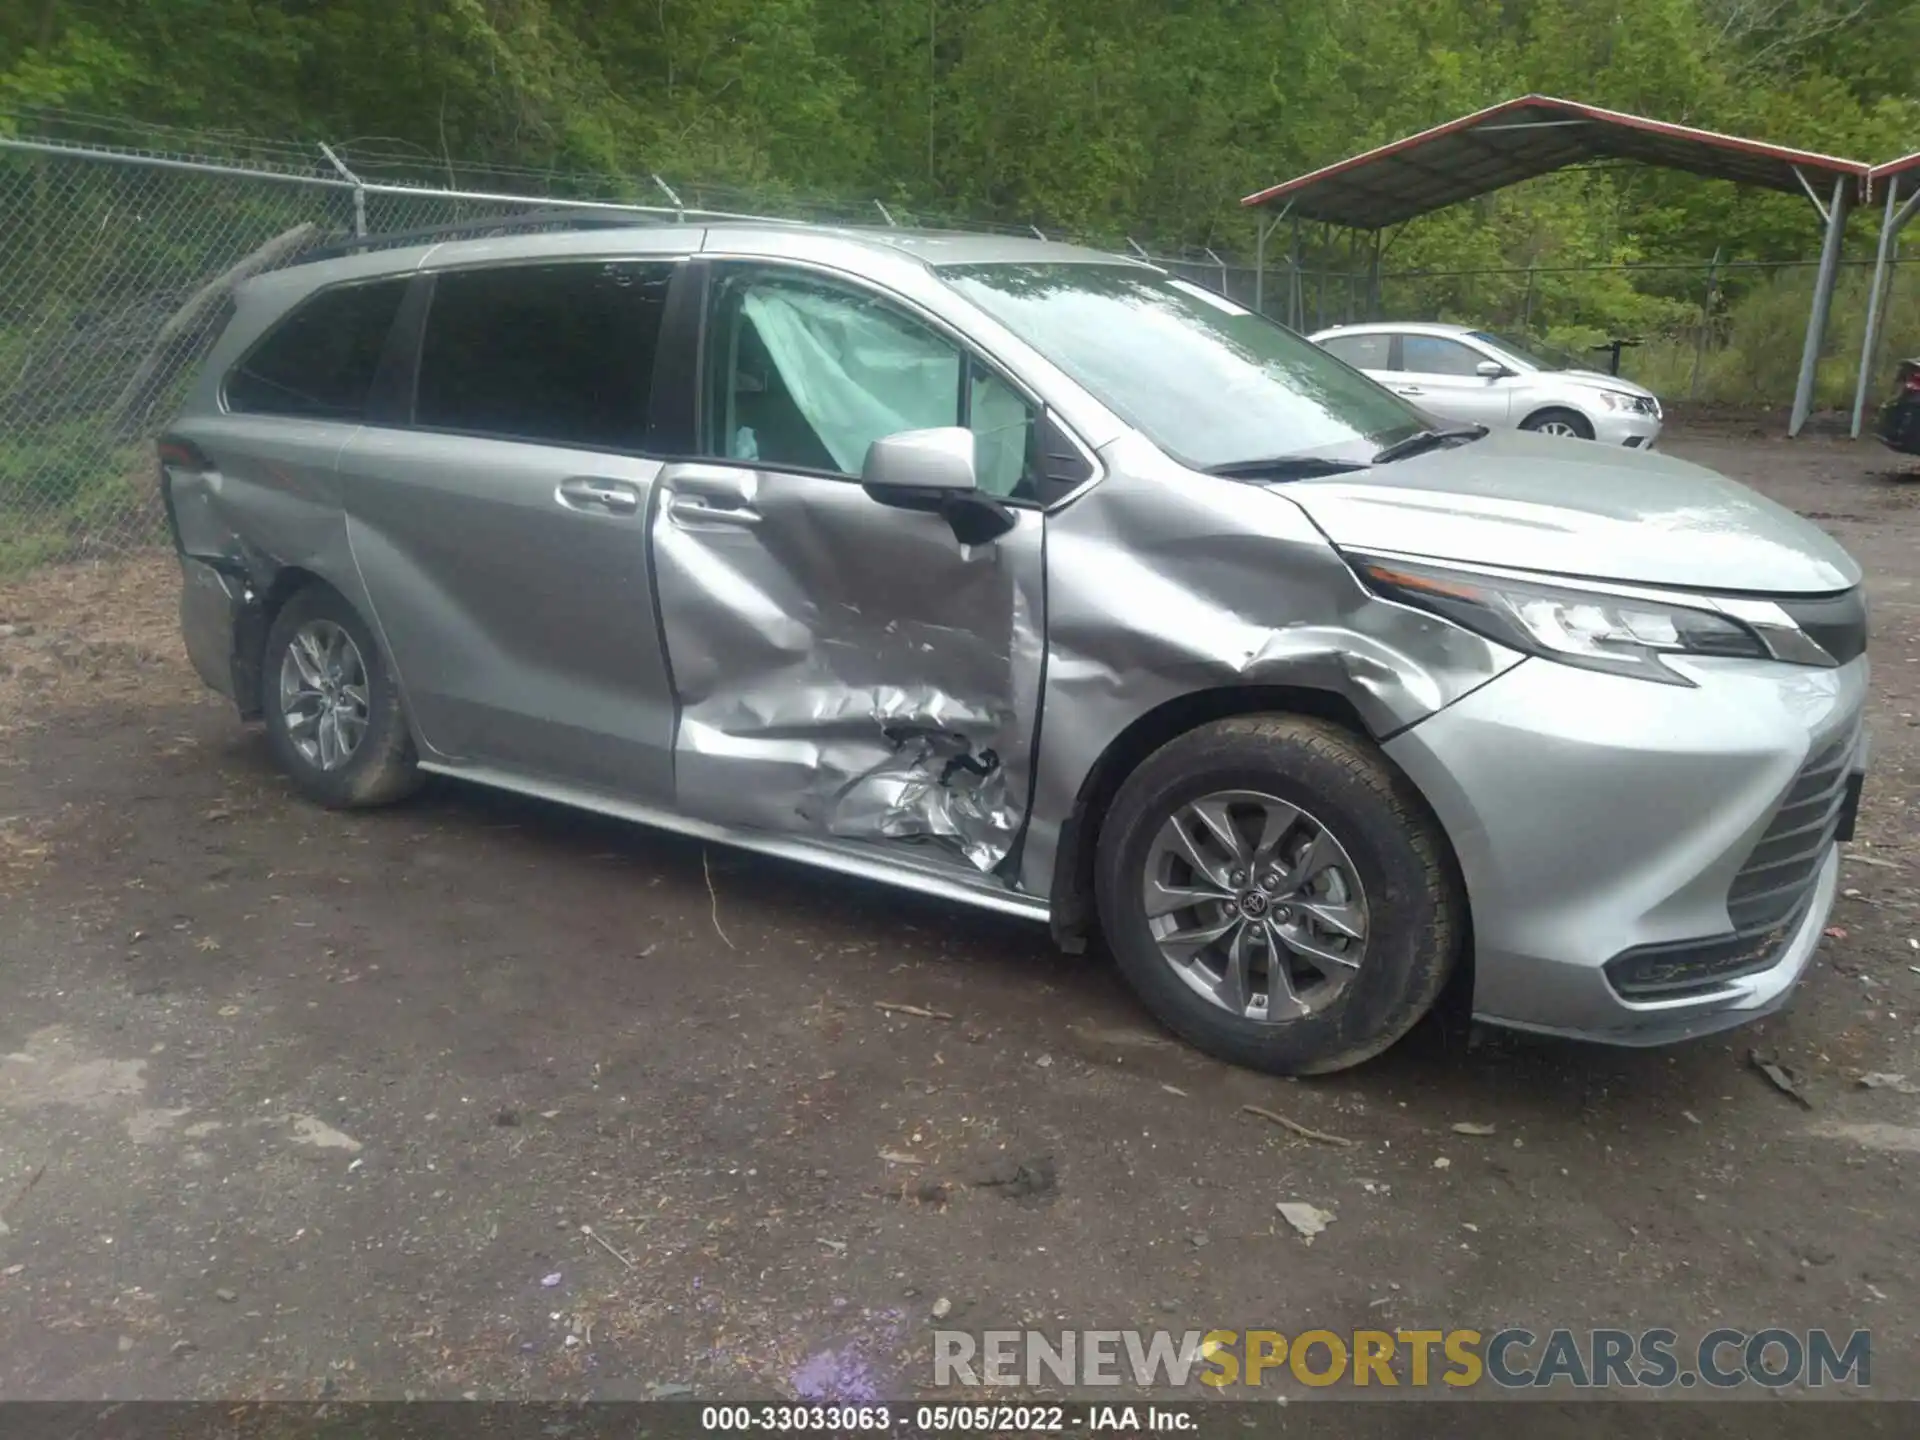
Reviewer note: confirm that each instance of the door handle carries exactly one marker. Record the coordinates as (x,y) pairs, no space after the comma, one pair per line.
(1408,390)
(584,492)
(695,510)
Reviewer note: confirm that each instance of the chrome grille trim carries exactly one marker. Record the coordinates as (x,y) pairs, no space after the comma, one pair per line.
(1785,862)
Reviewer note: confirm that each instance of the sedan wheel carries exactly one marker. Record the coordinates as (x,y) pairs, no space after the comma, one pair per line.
(1567,424)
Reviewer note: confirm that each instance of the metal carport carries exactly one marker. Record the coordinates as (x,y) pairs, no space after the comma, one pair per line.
(1896,175)
(1536,135)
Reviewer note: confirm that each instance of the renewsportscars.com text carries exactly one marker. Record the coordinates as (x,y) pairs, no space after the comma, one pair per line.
(1510,1358)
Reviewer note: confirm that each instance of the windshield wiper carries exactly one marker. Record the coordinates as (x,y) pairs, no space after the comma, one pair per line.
(1285,467)
(1423,440)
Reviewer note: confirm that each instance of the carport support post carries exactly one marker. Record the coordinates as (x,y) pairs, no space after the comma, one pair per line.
(1373,280)
(1260,229)
(1296,293)
(1876,297)
(1836,216)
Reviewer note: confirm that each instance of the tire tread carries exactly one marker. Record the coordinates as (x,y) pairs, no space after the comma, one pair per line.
(388,770)
(1228,741)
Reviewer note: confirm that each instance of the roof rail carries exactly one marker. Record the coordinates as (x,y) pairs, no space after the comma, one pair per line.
(478,229)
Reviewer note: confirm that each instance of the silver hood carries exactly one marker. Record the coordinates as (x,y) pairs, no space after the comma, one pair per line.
(1574,508)
(1600,380)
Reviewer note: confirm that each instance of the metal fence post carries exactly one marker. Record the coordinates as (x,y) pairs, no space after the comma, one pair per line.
(359,190)
(1706,324)
(1222,266)
(680,210)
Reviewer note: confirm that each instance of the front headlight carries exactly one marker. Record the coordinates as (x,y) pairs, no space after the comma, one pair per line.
(1591,629)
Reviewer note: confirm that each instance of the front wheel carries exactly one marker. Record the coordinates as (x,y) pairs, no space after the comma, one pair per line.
(1277,894)
(332,708)
(1568,424)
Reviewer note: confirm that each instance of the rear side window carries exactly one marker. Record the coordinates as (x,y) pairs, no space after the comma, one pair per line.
(557,353)
(1363,352)
(319,361)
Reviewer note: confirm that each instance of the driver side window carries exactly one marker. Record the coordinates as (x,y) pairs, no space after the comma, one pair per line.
(806,374)
(1436,355)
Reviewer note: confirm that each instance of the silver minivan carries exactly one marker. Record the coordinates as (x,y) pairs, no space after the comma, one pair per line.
(1042,581)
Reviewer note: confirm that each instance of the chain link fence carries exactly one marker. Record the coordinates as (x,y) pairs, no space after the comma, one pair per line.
(113,268)
(114,263)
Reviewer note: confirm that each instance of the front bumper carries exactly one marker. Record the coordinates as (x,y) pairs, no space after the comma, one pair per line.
(1604,819)
(1629,428)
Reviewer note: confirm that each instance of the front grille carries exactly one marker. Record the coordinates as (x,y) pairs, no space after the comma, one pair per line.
(1781,871)
(1836,623)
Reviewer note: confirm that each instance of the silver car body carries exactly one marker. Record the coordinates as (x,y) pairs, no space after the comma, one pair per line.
(1526,389)
(774,660)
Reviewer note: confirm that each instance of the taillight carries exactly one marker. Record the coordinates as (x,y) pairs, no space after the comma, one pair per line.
(1912,385)
(182,453)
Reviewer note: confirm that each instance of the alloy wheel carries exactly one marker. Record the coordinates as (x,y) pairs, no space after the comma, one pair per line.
(325,699)
(1255,905)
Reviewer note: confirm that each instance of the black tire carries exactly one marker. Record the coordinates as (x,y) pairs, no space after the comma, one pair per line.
(1416,911)
(1571,418)
(382,766)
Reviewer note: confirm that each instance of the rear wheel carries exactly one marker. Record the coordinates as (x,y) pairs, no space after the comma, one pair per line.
(332,709)
(1277,894)
(1569,424)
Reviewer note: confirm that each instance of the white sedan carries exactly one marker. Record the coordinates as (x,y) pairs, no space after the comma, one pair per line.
(1475,377)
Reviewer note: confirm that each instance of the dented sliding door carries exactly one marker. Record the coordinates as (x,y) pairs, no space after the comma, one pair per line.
(846,668)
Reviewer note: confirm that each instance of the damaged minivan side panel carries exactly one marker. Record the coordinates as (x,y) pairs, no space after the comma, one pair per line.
(1163,584)
(847,668)
(847,663)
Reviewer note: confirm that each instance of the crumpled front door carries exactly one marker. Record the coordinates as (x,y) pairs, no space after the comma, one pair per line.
(844,668)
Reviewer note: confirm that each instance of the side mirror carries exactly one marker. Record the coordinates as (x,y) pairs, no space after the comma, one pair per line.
(932,471)
(926,460)
(1491,370)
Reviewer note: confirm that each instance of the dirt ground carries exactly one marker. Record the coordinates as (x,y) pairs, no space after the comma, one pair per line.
(478,1096)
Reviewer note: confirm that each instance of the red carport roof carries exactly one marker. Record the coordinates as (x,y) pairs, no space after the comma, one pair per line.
(1905,165)
(1533,135)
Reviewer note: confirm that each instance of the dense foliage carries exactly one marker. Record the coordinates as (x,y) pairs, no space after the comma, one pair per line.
(1101,118)
(1149,116)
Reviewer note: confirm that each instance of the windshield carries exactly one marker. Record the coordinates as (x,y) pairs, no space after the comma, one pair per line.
(1212,384)
(1530,355)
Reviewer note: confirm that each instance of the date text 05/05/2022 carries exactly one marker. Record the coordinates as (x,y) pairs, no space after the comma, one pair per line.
(957,1418)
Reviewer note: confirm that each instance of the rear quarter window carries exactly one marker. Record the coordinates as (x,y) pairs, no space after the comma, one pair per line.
(1363,352)
(319,362)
